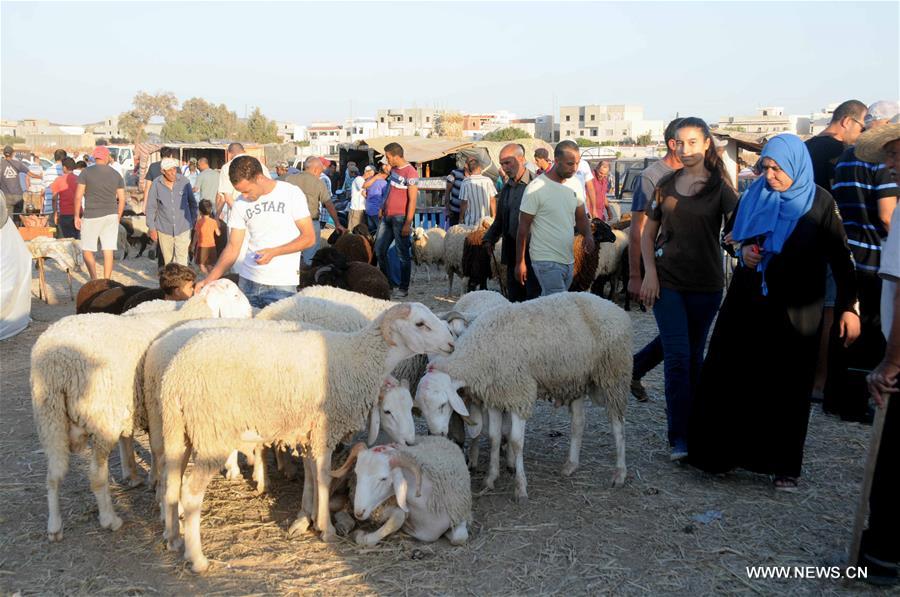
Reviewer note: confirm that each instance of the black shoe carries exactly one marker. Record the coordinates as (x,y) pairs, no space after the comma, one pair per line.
(879,572)
(638,391)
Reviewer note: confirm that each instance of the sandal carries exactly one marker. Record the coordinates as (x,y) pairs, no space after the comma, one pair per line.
(789,484)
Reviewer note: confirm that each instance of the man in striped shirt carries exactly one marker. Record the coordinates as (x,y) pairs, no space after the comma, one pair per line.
(477,196)
(866,195)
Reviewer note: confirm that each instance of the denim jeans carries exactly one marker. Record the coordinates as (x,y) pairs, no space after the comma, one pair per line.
(647,358)
(683,319)
(261,295)
(307,254)
(372,223)
(66,225)
(554,277)
(390,231)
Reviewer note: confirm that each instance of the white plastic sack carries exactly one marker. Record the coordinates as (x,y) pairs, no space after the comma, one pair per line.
(15,282)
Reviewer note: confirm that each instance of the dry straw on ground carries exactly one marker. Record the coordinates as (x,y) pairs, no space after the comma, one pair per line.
(575,536)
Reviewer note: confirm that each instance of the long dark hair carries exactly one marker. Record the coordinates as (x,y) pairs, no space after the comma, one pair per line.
(712,161)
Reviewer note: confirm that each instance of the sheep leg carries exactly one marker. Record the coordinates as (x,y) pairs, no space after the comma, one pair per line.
(393,524)
(192,498)
(307,502)
(232,470)
(476,418)
(174,466)
(450,285)
(617,425)
(323,484)
(99,475)
(516,445)
(259,468)
(457,535)
(576,408)
(127,461)
(495,424)
(57,465)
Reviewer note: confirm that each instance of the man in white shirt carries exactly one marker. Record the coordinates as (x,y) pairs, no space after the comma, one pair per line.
(586,178)
(357,198)
(477,195)
(274,218)
(227,195)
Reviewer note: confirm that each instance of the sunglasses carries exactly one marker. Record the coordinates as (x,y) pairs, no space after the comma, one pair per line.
(862,126)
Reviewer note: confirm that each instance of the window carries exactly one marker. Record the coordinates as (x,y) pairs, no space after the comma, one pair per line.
(568,118)
(593,132)
(582,132)
(382,119)
(428,119)
(593,116)
(410,118)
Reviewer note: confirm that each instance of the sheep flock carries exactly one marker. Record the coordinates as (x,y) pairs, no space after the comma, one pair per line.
(330,381)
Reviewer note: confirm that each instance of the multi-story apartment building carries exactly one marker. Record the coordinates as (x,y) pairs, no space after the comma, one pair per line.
(769,120)
(612,123)
(394,122)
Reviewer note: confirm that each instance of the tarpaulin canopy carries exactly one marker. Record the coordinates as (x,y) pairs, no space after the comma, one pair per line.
(420,149)
(488,153)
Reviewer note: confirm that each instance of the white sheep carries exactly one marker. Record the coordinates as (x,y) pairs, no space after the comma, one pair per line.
(85,385)
(562,347)
(422,489)
(308,388)
(428,248)
(369,307)
(454,242)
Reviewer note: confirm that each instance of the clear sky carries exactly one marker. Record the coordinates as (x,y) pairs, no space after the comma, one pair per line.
(317,61)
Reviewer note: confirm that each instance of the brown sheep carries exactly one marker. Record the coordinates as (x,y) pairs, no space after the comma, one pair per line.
(111,301)
(356,246)
(90,290)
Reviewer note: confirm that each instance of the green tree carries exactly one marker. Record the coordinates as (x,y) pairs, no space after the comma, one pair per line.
(509,133)
(582,142)
(260,129)
(144,107)
(10,140)
(645,139)
(199,120)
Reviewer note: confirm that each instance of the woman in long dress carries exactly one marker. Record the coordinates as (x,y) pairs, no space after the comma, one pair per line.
(752,404)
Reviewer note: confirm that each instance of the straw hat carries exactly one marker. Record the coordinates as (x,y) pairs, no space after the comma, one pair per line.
(870,145)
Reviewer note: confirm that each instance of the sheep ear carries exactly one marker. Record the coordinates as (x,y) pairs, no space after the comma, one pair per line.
(401,487)
(374,425)
(396,312)
(457,404)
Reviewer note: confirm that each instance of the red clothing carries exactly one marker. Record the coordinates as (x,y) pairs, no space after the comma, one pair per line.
(400,180)
(65,186)
(205,230)
(601,188)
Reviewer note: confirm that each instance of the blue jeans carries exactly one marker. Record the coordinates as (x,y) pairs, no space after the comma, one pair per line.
(683,319)
(647,358)
(307,254)
(389,231)
(372,223)
(554,277)
(261,295)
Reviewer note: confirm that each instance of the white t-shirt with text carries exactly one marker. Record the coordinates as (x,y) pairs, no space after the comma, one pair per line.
(270,221)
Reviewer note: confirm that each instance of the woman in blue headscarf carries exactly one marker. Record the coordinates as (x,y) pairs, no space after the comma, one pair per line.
(752,404)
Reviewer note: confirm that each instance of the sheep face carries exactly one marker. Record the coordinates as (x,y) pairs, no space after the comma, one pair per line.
(438,399)
(225,299)
(414,327)
(394,413)
(376,481)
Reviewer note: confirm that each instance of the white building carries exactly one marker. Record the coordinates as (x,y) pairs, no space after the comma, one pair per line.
(610,123)
(819,121)
(360,129)
(324,138)
(769,120)
(395,122)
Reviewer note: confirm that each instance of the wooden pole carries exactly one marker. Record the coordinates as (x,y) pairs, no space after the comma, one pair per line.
(862,509)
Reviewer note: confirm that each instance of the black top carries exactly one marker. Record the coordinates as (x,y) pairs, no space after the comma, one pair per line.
(506,224)
(796,277)
(824,151)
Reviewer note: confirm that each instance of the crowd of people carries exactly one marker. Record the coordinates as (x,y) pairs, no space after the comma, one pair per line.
(807,317)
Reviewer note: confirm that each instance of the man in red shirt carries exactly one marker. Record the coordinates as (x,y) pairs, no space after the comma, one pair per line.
(63,189)
(397,213)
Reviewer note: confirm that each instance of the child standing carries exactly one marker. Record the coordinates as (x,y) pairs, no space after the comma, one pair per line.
(205,232)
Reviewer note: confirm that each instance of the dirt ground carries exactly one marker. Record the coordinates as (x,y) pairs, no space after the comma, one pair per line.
(575,536)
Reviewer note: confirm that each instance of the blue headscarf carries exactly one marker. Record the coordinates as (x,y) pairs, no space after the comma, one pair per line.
(772,214)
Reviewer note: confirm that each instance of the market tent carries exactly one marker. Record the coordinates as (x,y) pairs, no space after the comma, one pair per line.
(420,149)
(488,153)
(15,280)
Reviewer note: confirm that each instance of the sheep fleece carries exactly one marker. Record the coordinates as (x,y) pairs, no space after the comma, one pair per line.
(443,463)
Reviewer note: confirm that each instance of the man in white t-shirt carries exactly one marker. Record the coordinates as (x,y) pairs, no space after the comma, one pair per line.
(586,178)
(357,198)
(227,195)
(552,206)
(274,218)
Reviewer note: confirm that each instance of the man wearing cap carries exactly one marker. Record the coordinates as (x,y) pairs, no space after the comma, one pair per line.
(103,191)
(317,196)
(191,171)
(171,213)
(9,181)
(280,170)
(153,171)
(866,195)
(325,175)
(880,550)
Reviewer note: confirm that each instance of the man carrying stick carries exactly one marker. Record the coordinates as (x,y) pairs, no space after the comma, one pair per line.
(880,548)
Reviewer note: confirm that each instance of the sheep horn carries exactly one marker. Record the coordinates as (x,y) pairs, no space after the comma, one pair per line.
(351,460)
(451,315)
(409,463)
(322,270)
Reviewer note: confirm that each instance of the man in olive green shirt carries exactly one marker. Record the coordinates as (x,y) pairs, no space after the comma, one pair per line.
(316,194)
(552,206)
